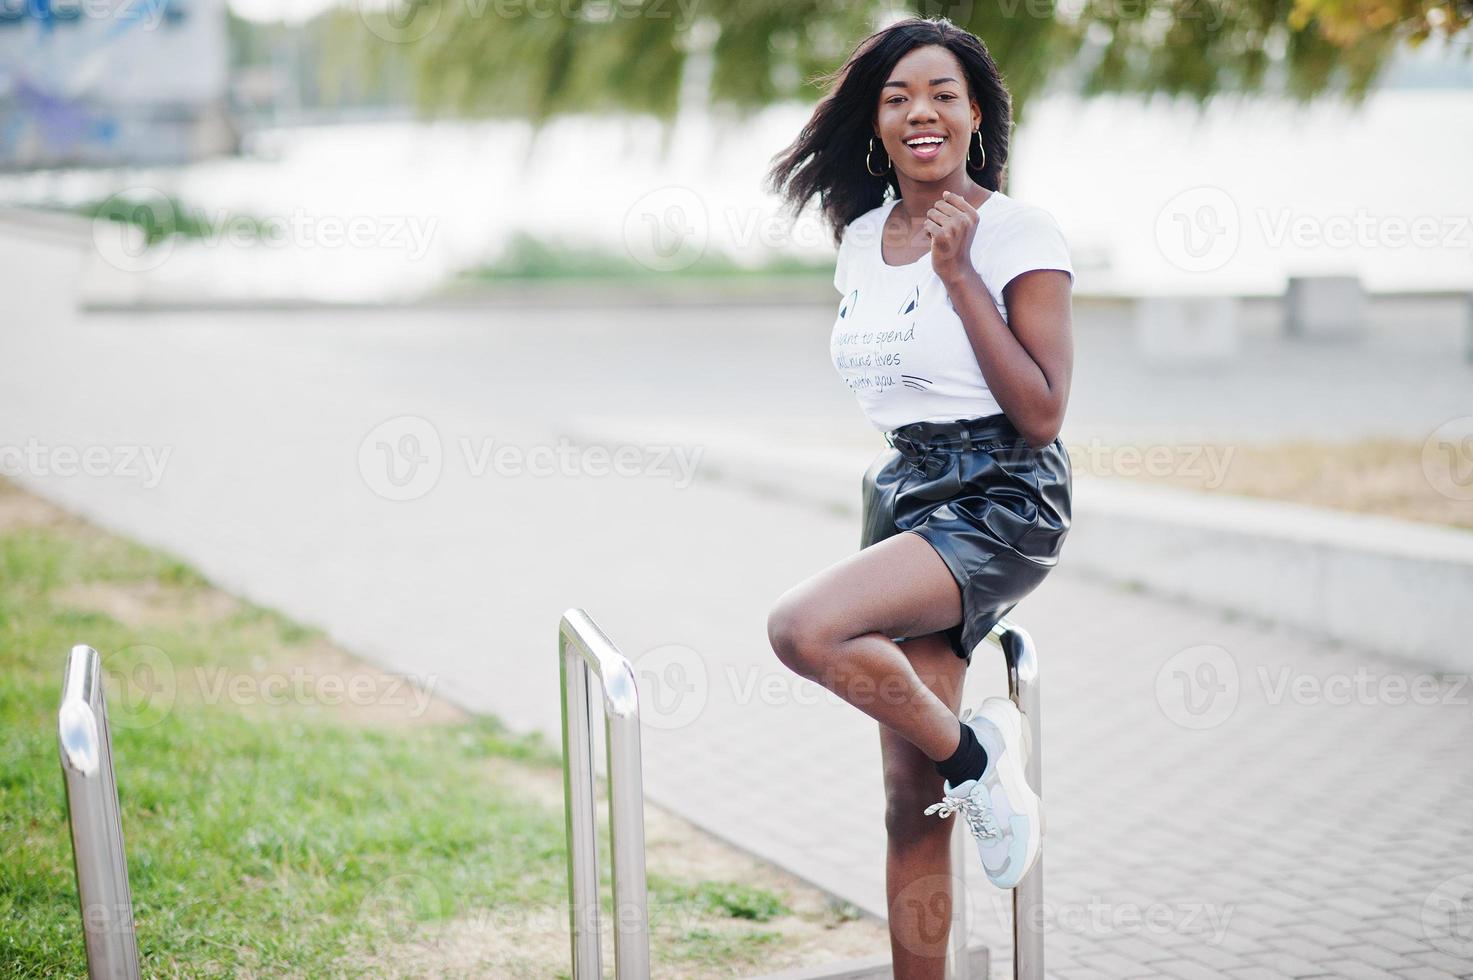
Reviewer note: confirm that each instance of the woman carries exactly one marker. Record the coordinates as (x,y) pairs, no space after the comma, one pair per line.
(954,333)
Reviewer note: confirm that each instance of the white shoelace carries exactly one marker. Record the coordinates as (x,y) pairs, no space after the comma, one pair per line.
(978,815)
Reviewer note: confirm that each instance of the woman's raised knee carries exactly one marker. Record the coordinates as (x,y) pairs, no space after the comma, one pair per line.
(795,631)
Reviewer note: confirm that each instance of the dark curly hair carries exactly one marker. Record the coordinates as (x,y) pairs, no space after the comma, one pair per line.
(828,156)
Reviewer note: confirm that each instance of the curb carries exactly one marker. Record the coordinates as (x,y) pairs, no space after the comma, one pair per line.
(1393,587)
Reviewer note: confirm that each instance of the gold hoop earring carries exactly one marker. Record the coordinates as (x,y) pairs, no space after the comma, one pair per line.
(977,166)
(869,167)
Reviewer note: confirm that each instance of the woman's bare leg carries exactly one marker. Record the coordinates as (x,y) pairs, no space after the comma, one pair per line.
(918,879)
(836,628)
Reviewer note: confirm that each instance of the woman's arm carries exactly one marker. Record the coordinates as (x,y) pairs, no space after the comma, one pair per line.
(1026,360)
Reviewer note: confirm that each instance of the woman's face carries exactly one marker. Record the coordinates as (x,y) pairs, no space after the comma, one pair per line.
(925,117)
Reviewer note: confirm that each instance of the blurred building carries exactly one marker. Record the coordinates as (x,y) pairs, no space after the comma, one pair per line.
(113,82)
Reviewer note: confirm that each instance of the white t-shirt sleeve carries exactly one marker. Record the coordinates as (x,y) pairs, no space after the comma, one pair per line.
(1029,239)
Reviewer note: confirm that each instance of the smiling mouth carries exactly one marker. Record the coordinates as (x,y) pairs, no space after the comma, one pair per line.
(926,147)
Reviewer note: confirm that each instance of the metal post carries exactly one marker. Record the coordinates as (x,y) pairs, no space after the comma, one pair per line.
(97,827)
(1023,688)
(583,648)
(958,955)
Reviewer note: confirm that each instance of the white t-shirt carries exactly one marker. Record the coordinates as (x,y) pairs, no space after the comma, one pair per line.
(898,343)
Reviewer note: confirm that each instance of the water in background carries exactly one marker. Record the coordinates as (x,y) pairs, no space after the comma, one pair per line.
(1152,197)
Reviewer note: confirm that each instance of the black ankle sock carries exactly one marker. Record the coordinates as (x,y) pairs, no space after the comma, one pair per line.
(969,760)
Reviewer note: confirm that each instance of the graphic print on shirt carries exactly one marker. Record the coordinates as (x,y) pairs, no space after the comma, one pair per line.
(912,301)
(847,303)
(898,340)
(869,359)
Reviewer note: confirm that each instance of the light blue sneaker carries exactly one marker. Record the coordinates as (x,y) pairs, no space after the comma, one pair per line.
(1001,809)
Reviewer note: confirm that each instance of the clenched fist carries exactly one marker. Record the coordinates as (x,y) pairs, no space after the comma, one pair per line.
(951,224)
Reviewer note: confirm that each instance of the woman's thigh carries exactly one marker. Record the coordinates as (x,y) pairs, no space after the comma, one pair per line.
(899,587)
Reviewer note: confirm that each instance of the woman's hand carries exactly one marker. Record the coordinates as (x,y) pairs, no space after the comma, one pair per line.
(951,224)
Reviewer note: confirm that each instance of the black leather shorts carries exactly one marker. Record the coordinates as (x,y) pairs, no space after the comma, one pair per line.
(995,509)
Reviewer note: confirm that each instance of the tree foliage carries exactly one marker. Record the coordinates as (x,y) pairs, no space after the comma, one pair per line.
(536,59)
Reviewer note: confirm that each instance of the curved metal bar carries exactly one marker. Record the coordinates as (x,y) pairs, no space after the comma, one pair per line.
(1025,690)
(96,824)
(583,648)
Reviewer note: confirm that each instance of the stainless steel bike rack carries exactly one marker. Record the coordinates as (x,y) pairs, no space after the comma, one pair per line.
(1023,688)
(583,649)
(97,827)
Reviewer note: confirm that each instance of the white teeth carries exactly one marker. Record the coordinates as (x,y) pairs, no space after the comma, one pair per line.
(924,139)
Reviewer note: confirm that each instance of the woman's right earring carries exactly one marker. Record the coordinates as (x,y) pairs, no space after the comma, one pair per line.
(868,166)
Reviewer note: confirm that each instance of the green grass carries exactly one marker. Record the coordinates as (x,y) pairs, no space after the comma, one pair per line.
(529,258)
(160,217)
(295,844)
